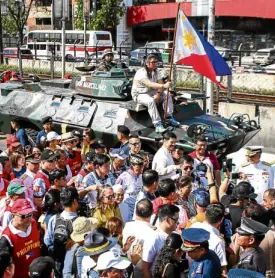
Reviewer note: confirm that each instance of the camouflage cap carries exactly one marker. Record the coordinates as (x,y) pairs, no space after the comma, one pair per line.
(136,159)
(106,52)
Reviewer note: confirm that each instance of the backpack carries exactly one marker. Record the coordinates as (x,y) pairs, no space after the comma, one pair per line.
(62,230)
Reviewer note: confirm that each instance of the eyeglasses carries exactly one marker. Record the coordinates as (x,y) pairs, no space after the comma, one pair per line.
(153,62)
(24,216)
(188,167)
(135,144)
(110,197)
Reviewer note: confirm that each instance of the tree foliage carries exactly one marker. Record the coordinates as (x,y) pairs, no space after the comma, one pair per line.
(8,24)
(17,15)
(78,16)
(107,15)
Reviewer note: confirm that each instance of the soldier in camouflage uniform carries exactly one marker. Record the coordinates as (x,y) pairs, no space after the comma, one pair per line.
(106,64)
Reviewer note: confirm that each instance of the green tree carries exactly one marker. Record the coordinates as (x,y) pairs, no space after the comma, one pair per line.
(8,24)
(107,15)
(78,17)
(18,12)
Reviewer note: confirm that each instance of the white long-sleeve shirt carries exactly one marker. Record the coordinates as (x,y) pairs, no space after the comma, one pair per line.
(164,164)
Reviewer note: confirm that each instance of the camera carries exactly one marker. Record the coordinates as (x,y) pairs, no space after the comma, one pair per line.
(234,176)
(201,167)
(227,165)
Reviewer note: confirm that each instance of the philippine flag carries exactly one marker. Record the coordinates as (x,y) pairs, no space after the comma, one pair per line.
(192,49)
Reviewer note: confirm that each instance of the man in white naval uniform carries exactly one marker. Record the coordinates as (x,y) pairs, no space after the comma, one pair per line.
(258,173)
(32,164)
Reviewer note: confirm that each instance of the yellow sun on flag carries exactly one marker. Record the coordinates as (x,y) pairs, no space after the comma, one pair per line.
(189,39)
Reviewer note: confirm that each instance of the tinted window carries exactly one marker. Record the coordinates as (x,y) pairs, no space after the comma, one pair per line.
(103,37)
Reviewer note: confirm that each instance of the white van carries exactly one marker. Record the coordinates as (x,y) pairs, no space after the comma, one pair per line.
(162,46)
(264,56)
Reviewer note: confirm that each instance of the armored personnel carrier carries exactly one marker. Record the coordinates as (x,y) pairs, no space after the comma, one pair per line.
(102,101)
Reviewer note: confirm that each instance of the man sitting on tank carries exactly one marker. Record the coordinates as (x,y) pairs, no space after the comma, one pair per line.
(148,90)
(107,61)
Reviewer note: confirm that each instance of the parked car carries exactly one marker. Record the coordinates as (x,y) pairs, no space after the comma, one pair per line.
(138,56)
(71,58)
(264,56)
(12,53)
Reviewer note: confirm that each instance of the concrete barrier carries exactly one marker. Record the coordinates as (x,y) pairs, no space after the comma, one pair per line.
(266,135)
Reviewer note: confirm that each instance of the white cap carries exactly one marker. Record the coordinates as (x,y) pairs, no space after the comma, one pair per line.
(116,187)
(52,135)
(1,169)
(112,259)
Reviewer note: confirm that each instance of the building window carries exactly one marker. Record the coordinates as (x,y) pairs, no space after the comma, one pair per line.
(43,3)
(43,21)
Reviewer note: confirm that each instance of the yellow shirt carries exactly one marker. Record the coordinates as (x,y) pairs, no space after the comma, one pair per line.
(103,217)
(200,217)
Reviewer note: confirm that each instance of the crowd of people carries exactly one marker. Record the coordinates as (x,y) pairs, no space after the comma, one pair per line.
(71,207)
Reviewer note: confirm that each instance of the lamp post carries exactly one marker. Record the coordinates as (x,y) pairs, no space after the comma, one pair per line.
(18,5)
(1,35)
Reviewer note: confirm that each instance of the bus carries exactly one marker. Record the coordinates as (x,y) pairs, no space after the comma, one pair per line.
(48,42)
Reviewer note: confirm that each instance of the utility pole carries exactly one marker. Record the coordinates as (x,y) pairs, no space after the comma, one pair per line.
(1,36)
(85,12)
(211,39)
(63,37)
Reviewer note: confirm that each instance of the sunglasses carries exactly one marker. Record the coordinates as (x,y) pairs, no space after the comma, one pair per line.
(137,164)
(153,62)
(110,197)
(135,144)
(25,216)
(119,195)
(188,167)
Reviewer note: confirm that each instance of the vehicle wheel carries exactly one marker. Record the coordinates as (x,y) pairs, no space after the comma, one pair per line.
(31,133)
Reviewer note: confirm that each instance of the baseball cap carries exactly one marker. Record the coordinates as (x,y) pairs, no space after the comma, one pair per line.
(12,140)
(47,120)
(48,155)
(41,267)
(112,259)
(52,135)
(16,188)
(136,159)
(202,197)
(119,154)
(22,206)
(98,144)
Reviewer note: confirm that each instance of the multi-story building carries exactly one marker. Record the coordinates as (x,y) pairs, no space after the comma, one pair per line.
(236,20)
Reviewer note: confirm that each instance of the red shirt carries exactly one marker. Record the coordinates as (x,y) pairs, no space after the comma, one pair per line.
(209,158)
(158,202)
(75,162)
(44,177)
(25,249)
(3,190)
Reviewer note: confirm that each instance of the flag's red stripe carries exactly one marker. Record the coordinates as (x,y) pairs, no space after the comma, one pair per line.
(202,65)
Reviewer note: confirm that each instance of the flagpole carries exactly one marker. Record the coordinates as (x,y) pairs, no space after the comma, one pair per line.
(171,63)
